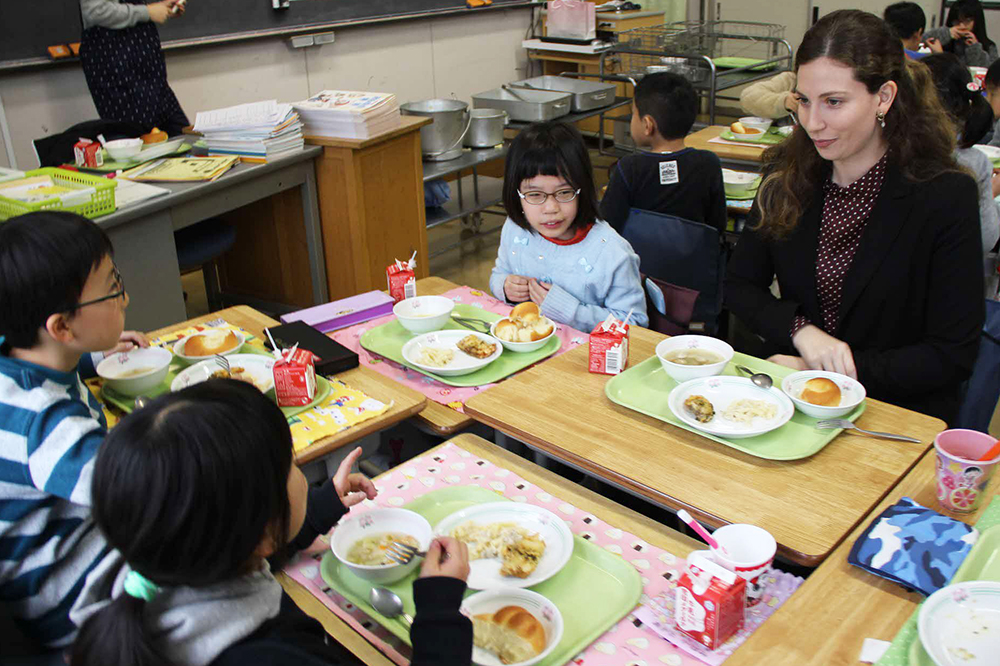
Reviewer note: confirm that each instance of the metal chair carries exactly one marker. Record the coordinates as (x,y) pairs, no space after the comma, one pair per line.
(199,247)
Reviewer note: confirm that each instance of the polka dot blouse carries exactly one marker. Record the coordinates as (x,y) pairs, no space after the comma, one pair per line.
(845,213)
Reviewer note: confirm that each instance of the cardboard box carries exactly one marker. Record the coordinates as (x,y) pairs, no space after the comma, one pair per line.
(609,347)
(88,153)
(343,313)
(402,279)
(295,378)
(709,602)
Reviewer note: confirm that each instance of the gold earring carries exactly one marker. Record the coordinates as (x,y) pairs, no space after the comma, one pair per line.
(880,117)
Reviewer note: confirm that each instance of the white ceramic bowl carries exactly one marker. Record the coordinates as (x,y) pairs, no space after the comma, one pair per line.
(522,347)
(852,393)
(378,521)
(786,130)
(179,346)
(992,152)
(137,371)
(423,314)
(123,149)
(738,183)
(490,601)
(754,122)
(683,373)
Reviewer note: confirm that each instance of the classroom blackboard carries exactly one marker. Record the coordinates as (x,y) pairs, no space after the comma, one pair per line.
(28,27)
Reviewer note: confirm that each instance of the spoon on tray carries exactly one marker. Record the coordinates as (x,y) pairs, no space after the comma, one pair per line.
(759,378)
(388,603)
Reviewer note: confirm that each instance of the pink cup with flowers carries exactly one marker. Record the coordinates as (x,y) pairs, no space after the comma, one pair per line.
(961,476)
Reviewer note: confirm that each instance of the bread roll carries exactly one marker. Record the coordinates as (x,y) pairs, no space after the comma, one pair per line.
(155,135)
(210,343)
(737,128)
(512,634)
(822,392)
(506,330)
(522,309)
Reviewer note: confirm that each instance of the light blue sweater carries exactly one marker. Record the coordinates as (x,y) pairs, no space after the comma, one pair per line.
(590,280)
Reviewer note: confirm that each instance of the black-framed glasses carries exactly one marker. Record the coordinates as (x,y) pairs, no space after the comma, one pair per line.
(537,198)
(118,293)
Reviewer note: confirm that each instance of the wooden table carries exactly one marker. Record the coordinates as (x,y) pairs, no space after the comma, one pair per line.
(828,618)
(586,500)
(809,505)
(740,157)
(405,402)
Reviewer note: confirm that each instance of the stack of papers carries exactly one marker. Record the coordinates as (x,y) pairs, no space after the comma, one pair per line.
(348,114)
(182,169)
(44,190)
(257,132)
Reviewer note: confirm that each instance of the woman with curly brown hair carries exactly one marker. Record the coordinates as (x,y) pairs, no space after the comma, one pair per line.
(869,225)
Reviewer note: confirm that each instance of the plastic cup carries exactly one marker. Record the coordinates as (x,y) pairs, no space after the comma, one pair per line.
(749,553)
(961,476)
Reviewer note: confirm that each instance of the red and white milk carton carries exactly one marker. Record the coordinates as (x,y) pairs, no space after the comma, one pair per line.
(609,347)
(88,153)
(709,602)
(402,278)
(295,378)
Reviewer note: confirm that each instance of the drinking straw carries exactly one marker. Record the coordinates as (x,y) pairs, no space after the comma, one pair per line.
(992,453)
(701,531)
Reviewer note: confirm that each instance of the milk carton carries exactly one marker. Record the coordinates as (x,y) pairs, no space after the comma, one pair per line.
(295,378)
(88,153)
(609,347)
(709,602)
(402,279)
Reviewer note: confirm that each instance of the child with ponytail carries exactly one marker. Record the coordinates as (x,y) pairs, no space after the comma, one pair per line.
(197,491)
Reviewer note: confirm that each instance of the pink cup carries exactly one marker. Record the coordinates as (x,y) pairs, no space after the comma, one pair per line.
(749,553)
(961,476)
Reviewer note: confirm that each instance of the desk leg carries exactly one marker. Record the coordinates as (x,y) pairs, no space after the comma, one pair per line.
(314,238)
(147,258)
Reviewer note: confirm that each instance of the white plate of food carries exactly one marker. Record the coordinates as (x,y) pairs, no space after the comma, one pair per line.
(208,343)
(513,627)
(252,368)
(730,407)
(510,544)
(452,353)
(960,624)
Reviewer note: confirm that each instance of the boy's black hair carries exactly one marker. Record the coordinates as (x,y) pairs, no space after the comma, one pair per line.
(971,111)
(992,79)
(969,9)
(185,489)
(671,100)
(45,260)
(905,18)
(550,149)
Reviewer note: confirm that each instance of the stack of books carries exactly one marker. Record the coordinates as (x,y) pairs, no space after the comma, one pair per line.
(347,114)
(257,132)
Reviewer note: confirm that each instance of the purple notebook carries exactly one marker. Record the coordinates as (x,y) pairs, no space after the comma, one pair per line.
(345,312)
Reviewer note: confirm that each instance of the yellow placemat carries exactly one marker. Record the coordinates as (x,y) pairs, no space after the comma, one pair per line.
(344,408)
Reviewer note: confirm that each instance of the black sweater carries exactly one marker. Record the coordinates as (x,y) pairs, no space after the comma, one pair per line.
(441,635)
(690,188)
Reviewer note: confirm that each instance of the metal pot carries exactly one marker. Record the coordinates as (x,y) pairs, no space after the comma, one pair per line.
(442,139)
(486,128)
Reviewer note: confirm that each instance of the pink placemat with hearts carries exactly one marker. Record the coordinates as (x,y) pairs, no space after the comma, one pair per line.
(452,396)
(629,643)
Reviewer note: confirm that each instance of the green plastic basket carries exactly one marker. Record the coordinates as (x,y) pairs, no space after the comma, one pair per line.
(102,201)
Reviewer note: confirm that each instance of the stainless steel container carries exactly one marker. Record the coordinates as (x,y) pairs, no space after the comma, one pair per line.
(587,95)
(529,106)
(486,128)
(442,139)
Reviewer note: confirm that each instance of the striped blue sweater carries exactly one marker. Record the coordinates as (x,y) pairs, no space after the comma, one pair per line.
(50,430)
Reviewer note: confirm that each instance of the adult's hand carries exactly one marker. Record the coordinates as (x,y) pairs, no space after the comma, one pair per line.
(352,488)
(446,557)
(515,287)
(160,12)
(822,351)
(793,362)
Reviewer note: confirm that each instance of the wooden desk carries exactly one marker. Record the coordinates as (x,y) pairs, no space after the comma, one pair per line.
(371,206)
(406,402)
(809,505)
(828,618)
(586,500)
(735,156)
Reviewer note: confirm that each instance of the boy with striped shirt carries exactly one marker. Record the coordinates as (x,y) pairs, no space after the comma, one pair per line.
(62,300)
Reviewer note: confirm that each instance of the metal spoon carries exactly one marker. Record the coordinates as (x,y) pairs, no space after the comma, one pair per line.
(388,603)
(141,401)
(762,380)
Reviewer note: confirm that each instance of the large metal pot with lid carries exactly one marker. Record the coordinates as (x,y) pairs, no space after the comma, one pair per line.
(486,128)
(442,139)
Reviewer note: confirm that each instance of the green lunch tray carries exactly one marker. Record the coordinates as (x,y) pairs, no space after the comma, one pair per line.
(388,339)
(736,62)
(769,138)
(646,387)
(127,403)
(746,196)
(111,166)
(982,563)
(592,573)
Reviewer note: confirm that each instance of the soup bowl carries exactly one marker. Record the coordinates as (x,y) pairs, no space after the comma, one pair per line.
(136,371)
(711,347)
(373,523)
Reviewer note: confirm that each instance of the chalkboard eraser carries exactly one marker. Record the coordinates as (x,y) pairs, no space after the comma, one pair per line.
(472,4)
(75,48)
(302,41)
(59,51)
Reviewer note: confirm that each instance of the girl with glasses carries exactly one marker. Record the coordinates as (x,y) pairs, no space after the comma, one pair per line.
(554,250)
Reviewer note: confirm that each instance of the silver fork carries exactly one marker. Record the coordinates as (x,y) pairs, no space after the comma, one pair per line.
(401,553)
(223,363)
(847,425)
(477,325)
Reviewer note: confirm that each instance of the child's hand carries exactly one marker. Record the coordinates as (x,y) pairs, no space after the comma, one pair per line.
(515,288)
(352,488)
(537,291)
(934,45)
(446,557)
(159,12)
(128,341)
(995,181)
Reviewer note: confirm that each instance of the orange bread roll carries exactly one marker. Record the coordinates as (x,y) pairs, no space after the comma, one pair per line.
(512,634)
(822,392)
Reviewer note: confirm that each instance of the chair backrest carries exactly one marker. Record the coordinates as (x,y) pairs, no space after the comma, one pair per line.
(683,253)
(982,390)
(670,307)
